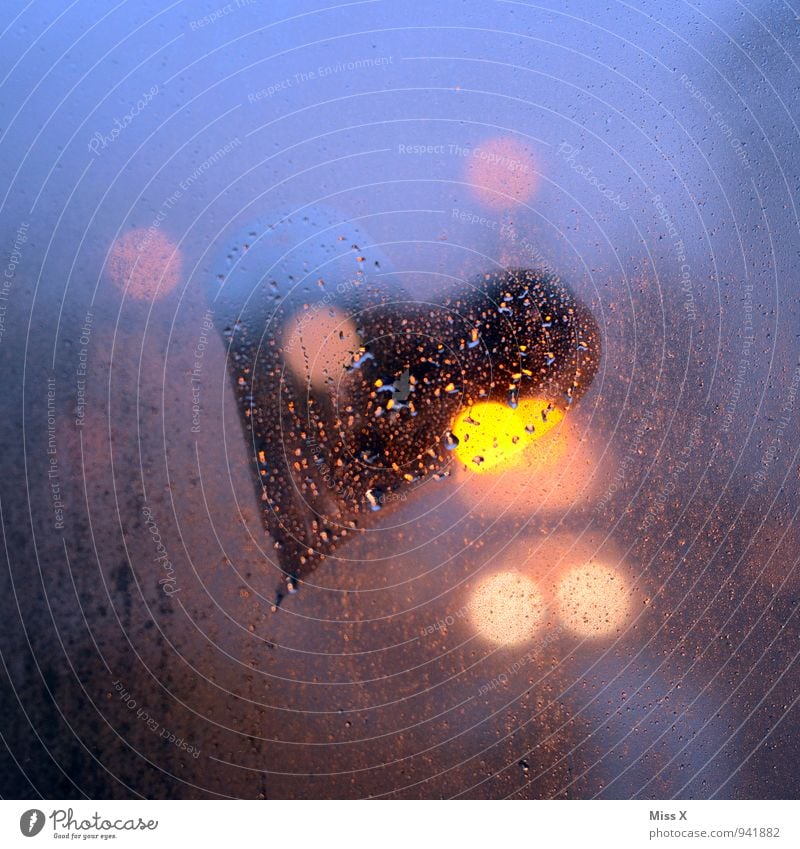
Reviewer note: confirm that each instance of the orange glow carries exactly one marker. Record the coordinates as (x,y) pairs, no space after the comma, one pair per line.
(501,173)
(492,436)
(553,474)
(145,264)
(507,608)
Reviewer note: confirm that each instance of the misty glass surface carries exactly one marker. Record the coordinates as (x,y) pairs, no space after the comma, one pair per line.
(248,551)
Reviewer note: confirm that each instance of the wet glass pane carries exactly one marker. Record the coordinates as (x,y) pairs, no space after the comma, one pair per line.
(400,405)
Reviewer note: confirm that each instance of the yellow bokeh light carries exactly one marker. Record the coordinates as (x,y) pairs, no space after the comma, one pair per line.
(492,436)
(507,608)
(593,600)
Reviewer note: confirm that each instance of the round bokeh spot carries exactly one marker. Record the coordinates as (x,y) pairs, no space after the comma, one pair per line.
(318,344)
(593,600)
(501,173)
(507,608)
(145,264)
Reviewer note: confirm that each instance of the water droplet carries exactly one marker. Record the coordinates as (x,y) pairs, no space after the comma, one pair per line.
(374,499)
(359,359)
(450,440)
